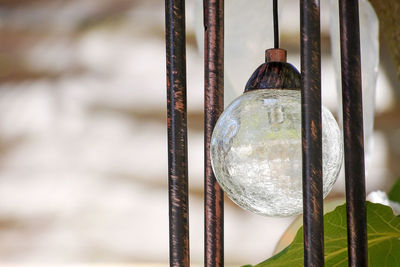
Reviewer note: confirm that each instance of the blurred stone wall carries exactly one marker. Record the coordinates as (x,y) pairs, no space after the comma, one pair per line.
(83,167)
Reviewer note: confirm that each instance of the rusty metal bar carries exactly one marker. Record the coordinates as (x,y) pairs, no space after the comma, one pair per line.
(353,133)
(177,133)
(213,107)
(311,133)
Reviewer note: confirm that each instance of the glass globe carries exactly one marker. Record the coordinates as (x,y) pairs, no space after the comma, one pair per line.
(256,151)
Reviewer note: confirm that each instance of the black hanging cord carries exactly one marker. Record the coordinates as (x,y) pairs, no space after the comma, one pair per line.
(276,25)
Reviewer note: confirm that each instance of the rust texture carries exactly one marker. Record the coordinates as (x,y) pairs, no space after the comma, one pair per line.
(274,75)
(177,133)
(213,107)
(311,133)
(353,133)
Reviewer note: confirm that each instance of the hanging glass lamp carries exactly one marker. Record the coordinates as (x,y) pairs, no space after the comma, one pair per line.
(256,151)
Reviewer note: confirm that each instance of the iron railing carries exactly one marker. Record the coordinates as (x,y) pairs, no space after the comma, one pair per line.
(311,131)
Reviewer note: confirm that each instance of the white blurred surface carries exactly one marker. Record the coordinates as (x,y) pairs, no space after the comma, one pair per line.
(83,166)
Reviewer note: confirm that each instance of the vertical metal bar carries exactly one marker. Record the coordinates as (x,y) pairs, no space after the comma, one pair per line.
(276,23)
(177,133)
(213,107)
(311,133)
(353,133)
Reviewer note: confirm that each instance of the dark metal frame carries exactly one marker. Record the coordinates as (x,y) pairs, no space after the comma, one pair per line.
(213,107)
(353,132)
(313,230)
(177,133)
(311,131)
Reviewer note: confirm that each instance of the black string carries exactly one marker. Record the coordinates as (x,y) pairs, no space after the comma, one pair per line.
(276,26)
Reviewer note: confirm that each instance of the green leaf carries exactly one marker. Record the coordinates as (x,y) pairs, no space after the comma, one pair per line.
(383,240)
(394,194)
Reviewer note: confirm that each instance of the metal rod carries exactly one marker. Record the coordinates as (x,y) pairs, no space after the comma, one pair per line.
(311,133)
(213,107)
(353,133)
(177,133)
(276,24)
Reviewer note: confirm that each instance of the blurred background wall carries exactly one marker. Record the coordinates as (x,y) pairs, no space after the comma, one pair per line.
(83,146)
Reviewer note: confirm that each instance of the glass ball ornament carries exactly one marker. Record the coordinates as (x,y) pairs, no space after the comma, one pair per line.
(256,151)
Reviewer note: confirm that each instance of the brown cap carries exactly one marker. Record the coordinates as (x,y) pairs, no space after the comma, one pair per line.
(275,55)
(275,73)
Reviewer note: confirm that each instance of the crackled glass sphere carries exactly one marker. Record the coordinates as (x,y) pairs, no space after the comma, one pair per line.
(256,151)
